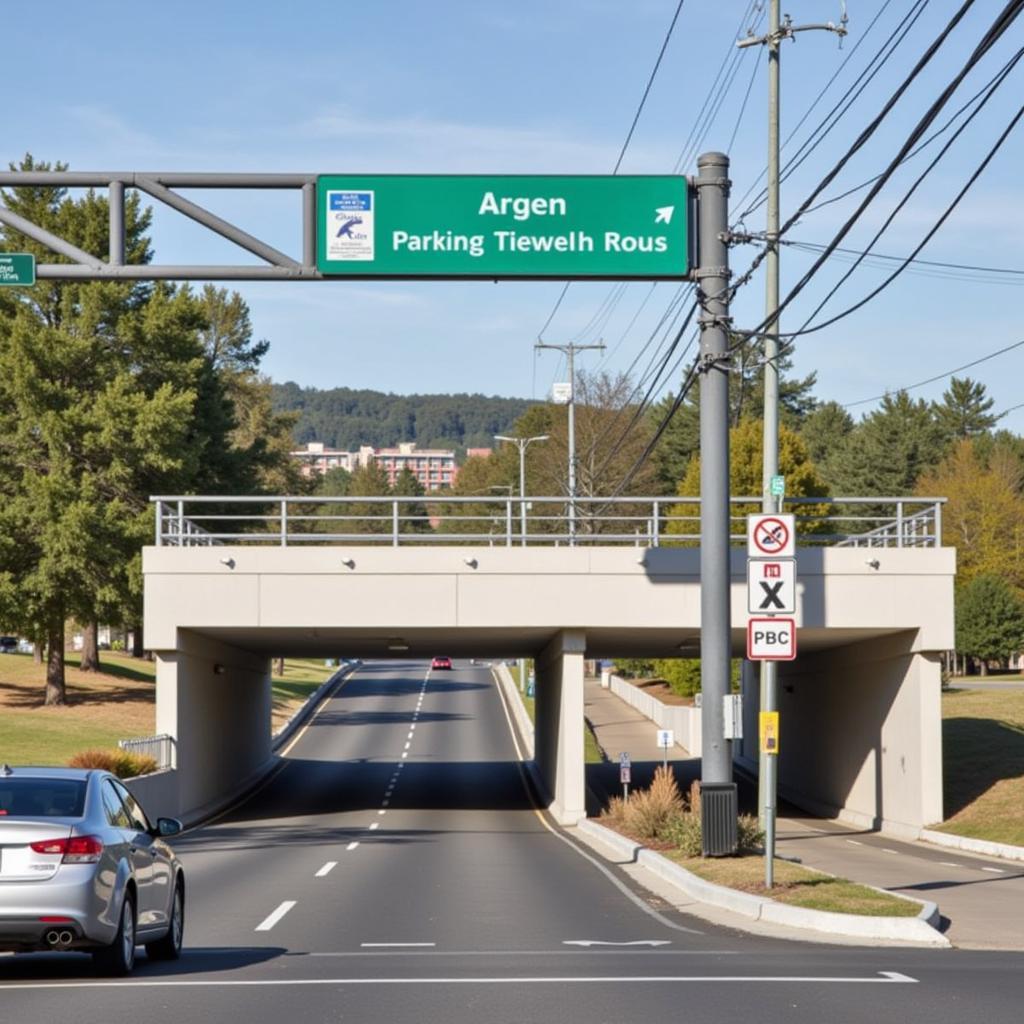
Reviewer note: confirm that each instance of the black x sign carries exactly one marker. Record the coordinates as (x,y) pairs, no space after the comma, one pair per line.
(771,595)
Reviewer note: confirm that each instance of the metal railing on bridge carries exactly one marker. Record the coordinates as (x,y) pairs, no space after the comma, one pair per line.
(193,520)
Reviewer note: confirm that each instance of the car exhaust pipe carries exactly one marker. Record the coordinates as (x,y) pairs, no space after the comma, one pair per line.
(66,938)
(52,937)
(59,940)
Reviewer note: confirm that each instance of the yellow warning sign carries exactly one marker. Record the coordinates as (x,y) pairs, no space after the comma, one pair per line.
(769,723)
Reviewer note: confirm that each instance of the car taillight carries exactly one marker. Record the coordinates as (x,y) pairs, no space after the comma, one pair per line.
(75,850)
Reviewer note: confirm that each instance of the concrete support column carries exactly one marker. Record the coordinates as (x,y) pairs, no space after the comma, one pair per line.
(559,725)
(215,700)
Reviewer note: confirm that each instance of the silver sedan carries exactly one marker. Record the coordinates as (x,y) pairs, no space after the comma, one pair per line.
(82,868)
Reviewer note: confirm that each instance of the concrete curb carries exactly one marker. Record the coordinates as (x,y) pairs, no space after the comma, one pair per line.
(290,727)
(969,845)
(919,930)
(514,701)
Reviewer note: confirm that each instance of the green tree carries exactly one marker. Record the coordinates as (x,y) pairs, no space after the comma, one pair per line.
(888,450)
(369,516)
(414,515)
(746,453)
(825,432)
(989,620)
(681,439)
(964,410)
(984,515)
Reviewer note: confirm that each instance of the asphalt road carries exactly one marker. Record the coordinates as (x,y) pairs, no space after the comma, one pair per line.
(396,870)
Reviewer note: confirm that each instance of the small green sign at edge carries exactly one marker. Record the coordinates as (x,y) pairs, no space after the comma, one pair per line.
(17,269)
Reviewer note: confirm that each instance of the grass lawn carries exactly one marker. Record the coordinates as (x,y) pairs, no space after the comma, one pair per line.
(983,759)
(796,885)
(102,708)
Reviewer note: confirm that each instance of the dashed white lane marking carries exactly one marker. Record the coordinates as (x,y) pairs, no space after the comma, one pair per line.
(408,744)
(885,849)
(949,864)
(327,869)
(351,846)
(382,811)
(854,842)
(405,753)
(995,871)
(385,802)
(375,826)
(412,728)
(269,922)
(397,945)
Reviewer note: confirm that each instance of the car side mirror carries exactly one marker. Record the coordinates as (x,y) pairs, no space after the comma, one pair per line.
(166,827)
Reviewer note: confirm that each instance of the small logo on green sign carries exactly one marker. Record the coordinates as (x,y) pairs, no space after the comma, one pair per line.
(17,269)
(778,486)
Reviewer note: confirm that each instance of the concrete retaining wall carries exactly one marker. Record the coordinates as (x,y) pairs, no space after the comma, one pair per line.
(685,722)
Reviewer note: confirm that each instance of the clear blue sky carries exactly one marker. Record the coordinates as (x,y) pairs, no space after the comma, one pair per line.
(528,87)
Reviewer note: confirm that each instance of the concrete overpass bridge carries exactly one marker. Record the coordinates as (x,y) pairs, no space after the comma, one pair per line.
(232,582)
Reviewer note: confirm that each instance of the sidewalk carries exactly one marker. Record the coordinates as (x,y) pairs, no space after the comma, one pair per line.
(982,897)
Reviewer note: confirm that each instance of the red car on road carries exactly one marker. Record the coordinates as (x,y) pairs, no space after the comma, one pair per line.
(441,662)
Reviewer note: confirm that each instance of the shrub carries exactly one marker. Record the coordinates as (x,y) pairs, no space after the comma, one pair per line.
(646,813)
(118,762)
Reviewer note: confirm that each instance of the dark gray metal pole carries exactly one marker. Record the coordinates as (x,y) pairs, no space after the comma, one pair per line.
(117,236)
(712,275)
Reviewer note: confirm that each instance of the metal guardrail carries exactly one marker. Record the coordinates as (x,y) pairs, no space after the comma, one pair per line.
(160,748)
(199,520)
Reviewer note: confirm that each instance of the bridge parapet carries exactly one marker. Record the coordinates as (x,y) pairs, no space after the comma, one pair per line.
(202,520)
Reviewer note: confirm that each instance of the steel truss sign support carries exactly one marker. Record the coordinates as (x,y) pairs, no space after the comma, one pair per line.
(163,187)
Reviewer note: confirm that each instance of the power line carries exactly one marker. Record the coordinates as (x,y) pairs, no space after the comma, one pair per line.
(939,376)
(938,265)
(625,145)
(906,198)
(995,31)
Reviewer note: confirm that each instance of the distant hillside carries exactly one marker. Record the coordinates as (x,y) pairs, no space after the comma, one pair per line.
(346,418)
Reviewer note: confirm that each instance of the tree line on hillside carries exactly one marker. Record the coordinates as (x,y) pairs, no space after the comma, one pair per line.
(110,392)
(346,418)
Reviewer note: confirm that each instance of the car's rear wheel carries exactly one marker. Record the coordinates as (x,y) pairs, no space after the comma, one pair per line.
(118,958)
(169,947)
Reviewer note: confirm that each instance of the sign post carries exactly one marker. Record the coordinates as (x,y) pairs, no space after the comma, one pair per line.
(771,637)
(503,226)
(666,739)
(625,774)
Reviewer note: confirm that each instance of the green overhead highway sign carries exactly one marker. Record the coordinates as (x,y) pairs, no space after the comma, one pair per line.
(17,269)
(502,226)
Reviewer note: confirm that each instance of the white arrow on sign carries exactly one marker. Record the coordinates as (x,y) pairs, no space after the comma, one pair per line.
(664,214)
(600,942)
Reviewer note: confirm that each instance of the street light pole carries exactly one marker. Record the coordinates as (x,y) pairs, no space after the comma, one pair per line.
(522,443)
(569,351)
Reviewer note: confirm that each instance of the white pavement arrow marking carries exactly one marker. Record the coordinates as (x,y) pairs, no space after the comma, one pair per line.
(601,942)
(664,214)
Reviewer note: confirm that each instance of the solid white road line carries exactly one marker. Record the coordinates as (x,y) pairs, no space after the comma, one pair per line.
(885,978)
(327,869)
(276,916)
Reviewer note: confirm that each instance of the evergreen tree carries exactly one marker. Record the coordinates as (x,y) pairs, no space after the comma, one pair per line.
(888,450)
(964,410)
(989,620)
(825,432)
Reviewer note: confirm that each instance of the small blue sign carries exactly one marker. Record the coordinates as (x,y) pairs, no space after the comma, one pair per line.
(346,201)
